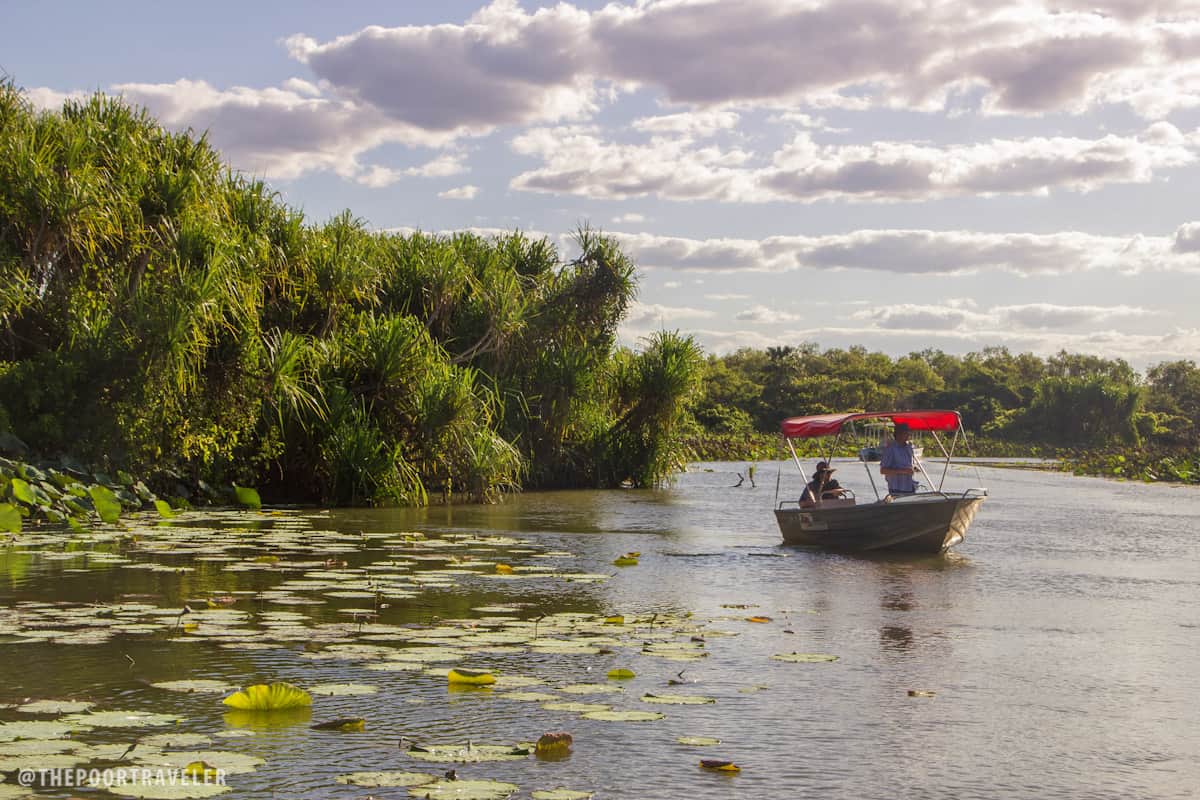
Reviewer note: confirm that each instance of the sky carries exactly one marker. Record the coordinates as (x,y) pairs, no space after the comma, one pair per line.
(896,174)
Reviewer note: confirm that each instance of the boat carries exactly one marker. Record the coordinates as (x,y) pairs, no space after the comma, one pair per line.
(930,521)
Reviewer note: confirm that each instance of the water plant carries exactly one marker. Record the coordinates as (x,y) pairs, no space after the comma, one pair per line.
(273,697)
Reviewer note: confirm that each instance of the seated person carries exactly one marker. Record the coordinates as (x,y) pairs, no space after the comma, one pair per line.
(898,464)
(822,485)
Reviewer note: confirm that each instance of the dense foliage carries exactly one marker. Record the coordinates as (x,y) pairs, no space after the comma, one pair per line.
(1067,400)
(163,315)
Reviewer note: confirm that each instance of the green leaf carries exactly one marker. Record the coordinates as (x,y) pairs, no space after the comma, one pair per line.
(23,492)
(106,503)
(164,509)
(10,518)
(247,497)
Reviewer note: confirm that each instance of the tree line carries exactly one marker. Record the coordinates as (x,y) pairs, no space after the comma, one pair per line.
(1065,400)
(166,316)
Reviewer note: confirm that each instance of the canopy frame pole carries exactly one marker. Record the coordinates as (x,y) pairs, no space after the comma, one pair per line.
(796,459)
(870,477)
(948,455)
(778,478)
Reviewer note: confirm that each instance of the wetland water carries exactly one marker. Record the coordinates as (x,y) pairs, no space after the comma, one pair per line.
(1060,638)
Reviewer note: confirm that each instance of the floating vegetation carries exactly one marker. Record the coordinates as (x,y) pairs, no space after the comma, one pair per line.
(470,677)
(921,693)
(275,697)
(559,794)
(677,699)
(803,658)
(698,741)
(554,743)
(120,719)
(624,716)
(374,780)
(190,686)
(621,674)
(469,753)
(463,790)
(224,760)
(591,688)
(55,707)
(719,766)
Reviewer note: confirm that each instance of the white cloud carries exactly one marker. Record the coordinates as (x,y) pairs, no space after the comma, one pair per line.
(629,217)
(503,67)
(506,65)
(915,252)
(699,124)
(1031,316)
(1187,238)
(653,314)
(578,161)
(672,284)
(726,297)
(280,132)
(467,192)
(765,316)
(1047,315)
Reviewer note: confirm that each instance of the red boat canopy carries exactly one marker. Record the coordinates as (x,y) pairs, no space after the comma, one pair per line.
(830,424)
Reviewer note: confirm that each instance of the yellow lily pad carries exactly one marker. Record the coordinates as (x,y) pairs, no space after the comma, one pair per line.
(275,697)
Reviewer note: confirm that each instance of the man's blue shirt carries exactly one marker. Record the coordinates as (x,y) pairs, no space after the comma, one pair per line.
(898,456)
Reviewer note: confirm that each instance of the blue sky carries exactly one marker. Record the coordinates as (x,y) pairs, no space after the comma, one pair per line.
(891,173)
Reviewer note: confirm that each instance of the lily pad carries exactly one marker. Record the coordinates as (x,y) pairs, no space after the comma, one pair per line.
(677,699)
(120,719)
(41,761)
(374,780)
(342,689)
(226,760)
(531,697)
(10,731)
(468,753)
(698,741)
(560,794)
(166,790)
(624,716)
(55,707)
(247,497)
(216,687)
(591,688)
(37,747)
(576,708)
(275,697)
(172,739)
(107,506)
(803,658)
(464,790)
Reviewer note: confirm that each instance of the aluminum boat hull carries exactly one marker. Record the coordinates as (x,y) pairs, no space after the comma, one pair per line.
(920,524)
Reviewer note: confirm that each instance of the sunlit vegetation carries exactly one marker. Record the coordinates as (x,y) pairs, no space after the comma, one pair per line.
(1099,413)
(163,315)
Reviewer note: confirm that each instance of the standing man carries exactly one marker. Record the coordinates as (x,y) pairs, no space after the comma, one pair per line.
(897,464)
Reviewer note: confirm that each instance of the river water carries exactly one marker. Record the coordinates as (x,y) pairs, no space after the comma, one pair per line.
(1054,651)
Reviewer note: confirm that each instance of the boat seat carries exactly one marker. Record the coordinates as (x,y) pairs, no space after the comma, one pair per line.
(836,502)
